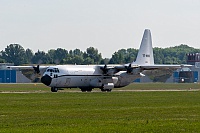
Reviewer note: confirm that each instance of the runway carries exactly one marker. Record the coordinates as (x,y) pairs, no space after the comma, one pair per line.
(95,91)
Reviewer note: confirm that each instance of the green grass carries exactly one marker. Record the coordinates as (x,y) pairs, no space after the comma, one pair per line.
(37,87)
(157,111)
(23,87)
(162,86)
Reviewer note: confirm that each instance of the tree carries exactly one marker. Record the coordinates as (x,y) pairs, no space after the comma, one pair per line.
(51,55)
(1,58)
(88,60)
(78,60)
(77,52)
(74,57)
(14,53)
(41,57)
(29,55)
(158,55)
(57,56)
(123,56)
(105,61)
(91,55)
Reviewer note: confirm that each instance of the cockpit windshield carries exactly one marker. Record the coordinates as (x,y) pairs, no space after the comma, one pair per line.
(55,70)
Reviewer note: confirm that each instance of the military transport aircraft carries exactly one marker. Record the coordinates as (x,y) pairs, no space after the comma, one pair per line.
(105,77)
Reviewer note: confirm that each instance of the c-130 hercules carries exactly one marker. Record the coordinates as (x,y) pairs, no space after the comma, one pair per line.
(104,77)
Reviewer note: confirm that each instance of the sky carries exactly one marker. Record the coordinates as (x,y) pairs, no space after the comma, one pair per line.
(108,25)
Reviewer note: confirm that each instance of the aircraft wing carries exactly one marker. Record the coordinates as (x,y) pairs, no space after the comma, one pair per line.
(131,67)
(36,68)
(162,66)
(26,67)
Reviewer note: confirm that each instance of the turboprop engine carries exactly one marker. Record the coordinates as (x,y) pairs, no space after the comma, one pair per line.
(130,69)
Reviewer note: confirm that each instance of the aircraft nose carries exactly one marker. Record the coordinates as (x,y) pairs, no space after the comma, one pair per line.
(46,79)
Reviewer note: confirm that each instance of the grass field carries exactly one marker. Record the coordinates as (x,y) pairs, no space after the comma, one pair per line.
(33,108)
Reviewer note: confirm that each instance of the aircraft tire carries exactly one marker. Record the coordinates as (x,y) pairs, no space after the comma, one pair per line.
(108,90)
(103,90)
(86,89)
(89,89)
(83,89)
(54,89)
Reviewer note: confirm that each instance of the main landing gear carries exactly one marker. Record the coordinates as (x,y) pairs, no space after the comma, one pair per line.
(54,89)
(86,89)
(106,90)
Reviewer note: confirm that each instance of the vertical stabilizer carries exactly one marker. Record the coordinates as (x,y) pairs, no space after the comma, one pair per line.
(145,53)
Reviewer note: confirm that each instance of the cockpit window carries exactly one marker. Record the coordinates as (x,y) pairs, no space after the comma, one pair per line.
(56,70)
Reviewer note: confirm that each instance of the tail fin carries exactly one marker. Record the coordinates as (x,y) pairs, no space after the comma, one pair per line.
(145,53)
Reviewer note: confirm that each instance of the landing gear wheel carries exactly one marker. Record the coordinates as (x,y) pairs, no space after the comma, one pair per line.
(54,89)
(83,89)
(106,90)
(89,89)
(86,89)
(103,90)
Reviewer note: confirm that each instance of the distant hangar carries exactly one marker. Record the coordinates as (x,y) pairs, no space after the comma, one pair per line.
(11,76)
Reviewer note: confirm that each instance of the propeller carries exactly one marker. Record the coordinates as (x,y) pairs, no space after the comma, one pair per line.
(129,69)
(104,69)
(36,69)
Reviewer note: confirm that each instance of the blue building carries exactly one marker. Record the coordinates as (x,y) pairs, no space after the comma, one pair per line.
(11,76)
(185,76)
(8,76)
(194,59)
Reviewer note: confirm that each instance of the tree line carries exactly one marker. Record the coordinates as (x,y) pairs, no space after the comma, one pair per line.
(15,53)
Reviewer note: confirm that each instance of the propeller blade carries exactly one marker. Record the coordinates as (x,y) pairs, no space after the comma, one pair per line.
(104,69)
(36,69)
(129,68)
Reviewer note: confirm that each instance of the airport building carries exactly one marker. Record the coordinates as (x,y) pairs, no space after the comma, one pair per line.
(11,76)
(188,75)
(194,60)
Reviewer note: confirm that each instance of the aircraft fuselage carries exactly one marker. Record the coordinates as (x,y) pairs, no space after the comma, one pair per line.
(85,77)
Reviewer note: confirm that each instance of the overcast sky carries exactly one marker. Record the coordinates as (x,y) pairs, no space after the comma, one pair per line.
(108,25)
